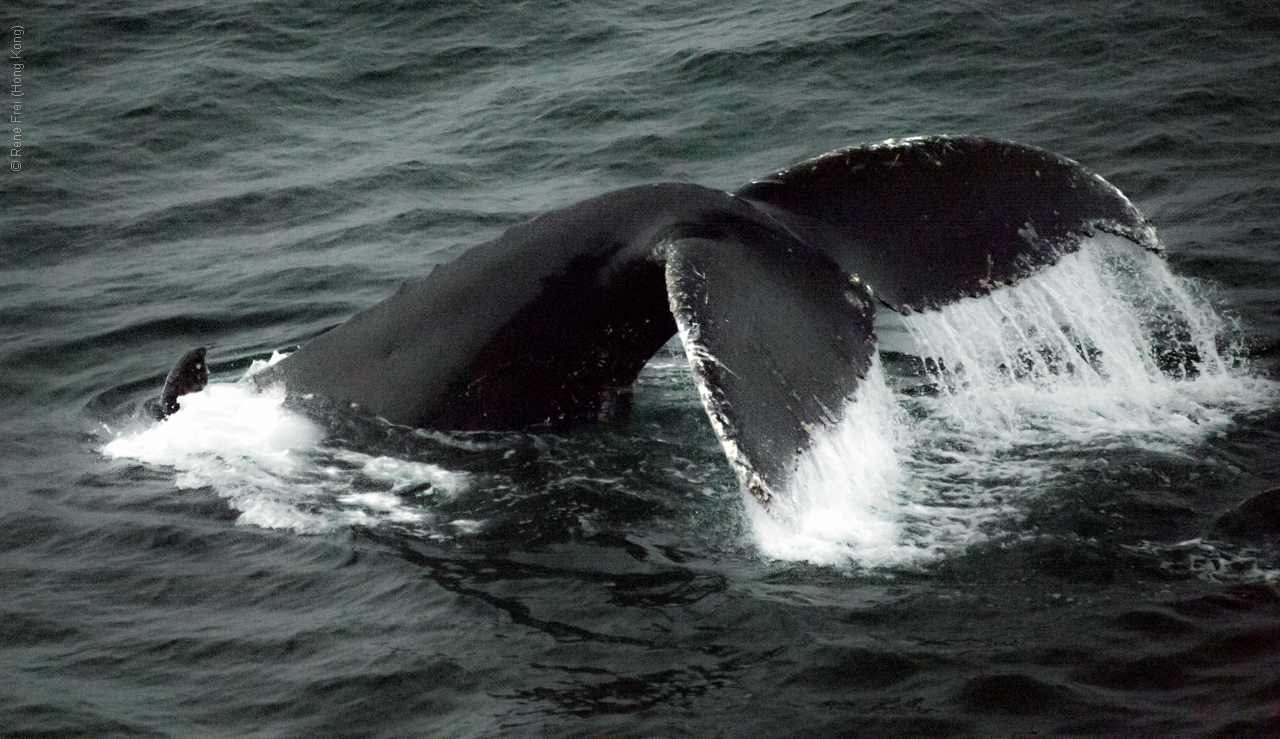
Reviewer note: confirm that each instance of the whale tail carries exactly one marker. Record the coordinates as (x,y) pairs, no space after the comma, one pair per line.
(779,338)
(927,221)
(772,290)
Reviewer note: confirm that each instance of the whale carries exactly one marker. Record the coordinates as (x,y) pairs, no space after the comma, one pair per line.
(772,289)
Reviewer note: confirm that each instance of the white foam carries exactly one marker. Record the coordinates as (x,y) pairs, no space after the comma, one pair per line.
(224,424)
(271,465)
(403,474)
(1069,360)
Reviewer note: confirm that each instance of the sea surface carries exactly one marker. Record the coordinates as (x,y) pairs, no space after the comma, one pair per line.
(1003,538)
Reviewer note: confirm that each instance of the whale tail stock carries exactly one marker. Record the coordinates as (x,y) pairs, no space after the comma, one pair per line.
(772,290)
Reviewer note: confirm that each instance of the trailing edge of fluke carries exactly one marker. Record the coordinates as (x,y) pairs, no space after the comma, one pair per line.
(772,289)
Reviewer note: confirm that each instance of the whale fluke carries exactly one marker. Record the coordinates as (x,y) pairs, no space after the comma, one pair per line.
(926,221)
(772,288)
(778,339)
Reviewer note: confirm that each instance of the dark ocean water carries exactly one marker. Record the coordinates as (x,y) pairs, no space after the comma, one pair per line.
(244,175)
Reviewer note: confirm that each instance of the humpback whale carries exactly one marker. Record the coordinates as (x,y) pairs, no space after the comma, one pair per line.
(772,289)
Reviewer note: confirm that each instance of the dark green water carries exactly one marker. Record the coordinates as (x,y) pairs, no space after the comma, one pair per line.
(245,175)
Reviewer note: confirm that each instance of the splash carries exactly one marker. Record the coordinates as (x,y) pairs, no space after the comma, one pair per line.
(272,466)
(1105,350)
(844,500)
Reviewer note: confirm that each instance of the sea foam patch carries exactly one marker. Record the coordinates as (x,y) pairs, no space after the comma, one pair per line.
(1105,350)
(271,465)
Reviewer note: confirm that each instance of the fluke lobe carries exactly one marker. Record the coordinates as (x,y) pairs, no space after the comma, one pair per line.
(772,289)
